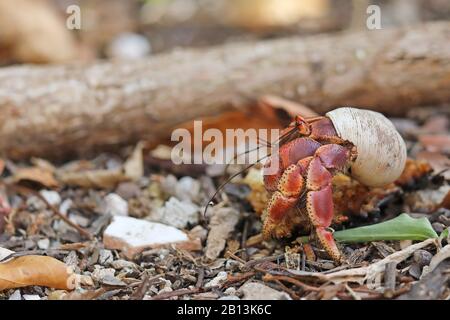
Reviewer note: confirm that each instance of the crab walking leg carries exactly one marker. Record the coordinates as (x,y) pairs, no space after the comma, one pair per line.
(319,197)
(287,184)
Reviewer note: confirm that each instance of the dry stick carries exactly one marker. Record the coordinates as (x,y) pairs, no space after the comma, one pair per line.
(200,278)
(287,290)
(390,275)
(82,231)
(304,286)
(241,277)
(176,293)
(143,286)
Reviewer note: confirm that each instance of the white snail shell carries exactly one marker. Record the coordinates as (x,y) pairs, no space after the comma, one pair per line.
(380,148)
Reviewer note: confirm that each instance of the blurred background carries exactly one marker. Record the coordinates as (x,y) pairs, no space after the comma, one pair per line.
(34,31)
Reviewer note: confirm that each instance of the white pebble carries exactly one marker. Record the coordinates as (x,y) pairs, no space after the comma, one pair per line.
(135,235)
(52,197)
(114,205)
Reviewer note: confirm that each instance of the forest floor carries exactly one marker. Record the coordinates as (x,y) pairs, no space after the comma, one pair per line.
(76,212)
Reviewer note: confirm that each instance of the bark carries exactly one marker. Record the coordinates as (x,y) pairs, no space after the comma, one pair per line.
(56,111)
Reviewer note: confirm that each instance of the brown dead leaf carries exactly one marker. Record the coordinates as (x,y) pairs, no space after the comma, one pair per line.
(36,271)
(291,107)
(37,175)
(104,179)
(76,175)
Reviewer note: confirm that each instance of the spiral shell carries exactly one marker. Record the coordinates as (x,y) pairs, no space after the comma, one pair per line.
(380,148)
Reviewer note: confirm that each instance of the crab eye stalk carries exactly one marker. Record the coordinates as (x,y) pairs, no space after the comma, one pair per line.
(381,151)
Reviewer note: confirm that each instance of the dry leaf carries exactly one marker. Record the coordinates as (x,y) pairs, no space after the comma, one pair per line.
(93,178)
(37,175)
(36,271)
(133,169)
(134,166)
(291,107)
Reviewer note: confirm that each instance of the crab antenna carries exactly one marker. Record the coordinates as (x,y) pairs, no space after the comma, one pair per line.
(222,185)
(266,144)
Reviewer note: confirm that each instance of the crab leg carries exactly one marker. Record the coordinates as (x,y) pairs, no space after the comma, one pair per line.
(287,184)
(319,198)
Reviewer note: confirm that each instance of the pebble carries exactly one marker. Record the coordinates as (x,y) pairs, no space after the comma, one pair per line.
(415,270)
(123,264)
(438,227)
(105,257)
(128,190)
(52,197)
(112,281)
(129,46)
(65,206)
(229,298)
(43,244)
(31,297)
(114,205)
(230,291)
(259,291)
(187,189)
(15,295)
(36,204)
(178,214)
(4,253)
(132,236)
(79,220)
(422,257)
(100,273)
(218,280)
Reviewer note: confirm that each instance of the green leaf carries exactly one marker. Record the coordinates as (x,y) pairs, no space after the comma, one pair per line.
(402,227)
(444,234)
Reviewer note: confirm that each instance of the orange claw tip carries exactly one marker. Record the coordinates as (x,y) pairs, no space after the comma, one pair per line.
(326,239)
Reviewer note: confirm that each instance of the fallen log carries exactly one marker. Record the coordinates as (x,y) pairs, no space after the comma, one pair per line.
(56,111)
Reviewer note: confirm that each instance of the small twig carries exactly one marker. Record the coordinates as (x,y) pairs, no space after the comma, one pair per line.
(82,231)
(304,286)
(143,286)
(390,275)
(352,293)
(177,293)
(235,257)
(253,263)
(200,278)
(287,290)
(241,277)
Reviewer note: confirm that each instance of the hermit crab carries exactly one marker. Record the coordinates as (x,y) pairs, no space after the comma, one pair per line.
(298,176)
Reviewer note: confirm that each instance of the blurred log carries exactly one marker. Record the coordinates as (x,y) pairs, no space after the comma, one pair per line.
(56,111)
